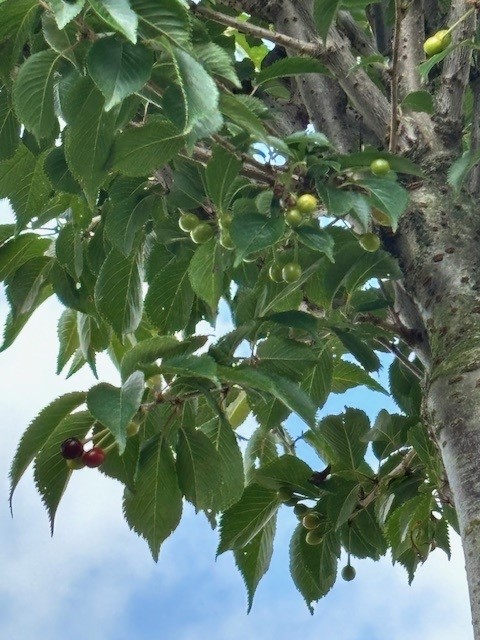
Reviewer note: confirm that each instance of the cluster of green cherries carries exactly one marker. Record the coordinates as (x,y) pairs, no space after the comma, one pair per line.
(311,521)
(300,212)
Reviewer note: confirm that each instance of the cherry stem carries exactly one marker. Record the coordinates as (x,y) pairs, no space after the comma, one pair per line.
(460,20)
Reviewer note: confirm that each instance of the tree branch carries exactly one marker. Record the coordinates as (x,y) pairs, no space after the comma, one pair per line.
(394,86)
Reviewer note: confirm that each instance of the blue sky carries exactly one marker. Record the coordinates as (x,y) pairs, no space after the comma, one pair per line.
(96,579)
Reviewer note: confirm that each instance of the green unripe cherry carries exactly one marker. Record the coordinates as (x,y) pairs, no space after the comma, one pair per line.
(307,203)
(75,464)
(301,510)
(202,233)
(291,272)
(311,521)
(369,242)
(380,167)
(226,240)
(294,218)
(132,429)
(348,572)
(381,218)
(313,537)
(284,494)
(275,273)
(437,43)
(188,221)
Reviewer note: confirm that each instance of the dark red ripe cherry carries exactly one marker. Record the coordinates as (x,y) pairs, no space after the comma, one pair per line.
(94,457)
(71,448)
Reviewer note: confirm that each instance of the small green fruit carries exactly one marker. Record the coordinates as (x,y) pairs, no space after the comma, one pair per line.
(380,167)
(307,203)
(437,43)
(348,573)
(75,464)
(313,537)
(291,503)
(291,272)
(275,273)
(369,242)
(381,218)
(202,233)
(188,221)
(294,218)
(226,240)
(284,494)
(301,510)
(132,429)
(311,521)
(225,220)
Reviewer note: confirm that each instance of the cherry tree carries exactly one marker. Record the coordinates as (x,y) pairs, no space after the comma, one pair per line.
(312,165)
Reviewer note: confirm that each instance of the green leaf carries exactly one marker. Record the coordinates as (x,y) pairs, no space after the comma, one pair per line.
(166,19)
(239,113)
(260,451)
(9,127)
(347,375)
(253,560)
(118,293)
(405,388)
(216,61)
(62,41)
(198,90)
(115,407)
(17,19)
(51,473)
(223,439)
(252,232)
(198,467)
(118,15)
(313,567)
(285,357)
(33,93)
(339,440)
(361,351)
(88,136)
(317,382)
(14,324)
(317,240)
(148,351)
(139,151)
(19,250)
(38,432)
(221,171)
(287,471)
(324,13)
(24,183)
(291,66)
(6,232)
(125,219)
(420,440)
(389,433)
(59,175)
(118,68)
(67,338)
(169,300)
(69,250)
(388,196)
(64,12)
(202,366)
(418,101)
(281,388)
(207,272)
(155,508)
(123,467)
(241,522)
(25,284)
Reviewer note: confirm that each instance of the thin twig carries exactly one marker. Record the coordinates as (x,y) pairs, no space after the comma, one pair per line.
(403,359)
(300,46)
